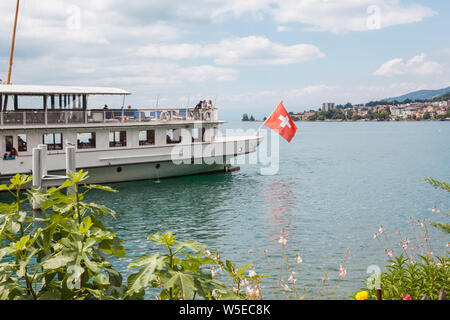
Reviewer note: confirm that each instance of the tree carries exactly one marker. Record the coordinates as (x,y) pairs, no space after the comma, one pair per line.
(426,116)
(383,115)
(348,106)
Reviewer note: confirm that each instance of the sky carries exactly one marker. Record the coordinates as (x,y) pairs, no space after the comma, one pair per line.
(246,56)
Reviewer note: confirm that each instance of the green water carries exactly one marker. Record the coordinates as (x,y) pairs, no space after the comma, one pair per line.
(337,183)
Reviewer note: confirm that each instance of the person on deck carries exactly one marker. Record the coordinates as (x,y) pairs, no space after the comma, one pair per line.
(13,153)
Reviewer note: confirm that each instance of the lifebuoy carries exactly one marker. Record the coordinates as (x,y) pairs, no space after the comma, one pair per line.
(165,116)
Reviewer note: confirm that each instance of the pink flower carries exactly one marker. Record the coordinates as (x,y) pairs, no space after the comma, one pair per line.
(389,253)
(407,297)
(342,272)
(405,244)
(435,210)
(292,278)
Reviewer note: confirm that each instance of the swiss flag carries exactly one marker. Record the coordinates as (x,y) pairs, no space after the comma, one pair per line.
(281,122)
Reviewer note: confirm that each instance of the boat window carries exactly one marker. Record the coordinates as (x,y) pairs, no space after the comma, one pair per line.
(86,140)
(9,143)
(173,136)
(22,142)
(53,141)
(195,134)
(146,137)
(117,139)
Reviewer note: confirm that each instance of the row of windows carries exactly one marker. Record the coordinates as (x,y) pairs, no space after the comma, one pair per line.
(21,143)
(87,140)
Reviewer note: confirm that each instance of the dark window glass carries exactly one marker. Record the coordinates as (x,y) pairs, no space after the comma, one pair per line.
(86,140)
(117,139)
(173,136)
(9,143)
(147,137)
(22,142)
(53,141)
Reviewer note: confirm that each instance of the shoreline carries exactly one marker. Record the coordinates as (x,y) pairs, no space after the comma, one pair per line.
(321,121)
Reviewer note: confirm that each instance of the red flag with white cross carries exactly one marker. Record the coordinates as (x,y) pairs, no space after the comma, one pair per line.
(281,122)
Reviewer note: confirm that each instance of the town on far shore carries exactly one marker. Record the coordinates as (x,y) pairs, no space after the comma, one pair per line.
(437,109)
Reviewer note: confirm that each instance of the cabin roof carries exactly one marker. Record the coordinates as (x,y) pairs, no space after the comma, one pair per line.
(44,90)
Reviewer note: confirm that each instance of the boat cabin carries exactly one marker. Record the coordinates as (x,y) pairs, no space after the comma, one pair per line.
(54,115)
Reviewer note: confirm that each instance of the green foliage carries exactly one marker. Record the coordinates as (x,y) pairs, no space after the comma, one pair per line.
(186,271)
(61,255)
(426,277)
(62,252)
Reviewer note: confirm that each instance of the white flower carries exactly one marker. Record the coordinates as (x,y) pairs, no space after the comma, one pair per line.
(299,259)
(284,286)
(252,273)
(282,240)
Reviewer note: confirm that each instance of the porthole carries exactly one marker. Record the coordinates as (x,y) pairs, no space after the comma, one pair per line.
(119,169)
(158,166)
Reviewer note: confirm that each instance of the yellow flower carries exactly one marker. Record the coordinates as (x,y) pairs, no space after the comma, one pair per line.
(363,295)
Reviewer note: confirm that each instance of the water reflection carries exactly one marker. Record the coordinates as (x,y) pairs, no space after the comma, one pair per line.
(281,200)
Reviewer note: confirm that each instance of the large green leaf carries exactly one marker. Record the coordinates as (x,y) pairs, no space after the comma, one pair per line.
(142,279)
(183,281)
(56,262)
(191,245)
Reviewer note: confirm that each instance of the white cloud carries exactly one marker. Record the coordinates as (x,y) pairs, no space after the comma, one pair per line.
(250,50)
(336,16)
(414,66)
(283,28)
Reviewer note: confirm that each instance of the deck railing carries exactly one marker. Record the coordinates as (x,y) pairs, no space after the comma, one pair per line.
(65,117)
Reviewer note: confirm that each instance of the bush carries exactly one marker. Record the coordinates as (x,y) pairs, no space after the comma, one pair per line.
(416,279)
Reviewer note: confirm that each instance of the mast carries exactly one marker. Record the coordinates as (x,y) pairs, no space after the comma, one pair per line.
(12,44)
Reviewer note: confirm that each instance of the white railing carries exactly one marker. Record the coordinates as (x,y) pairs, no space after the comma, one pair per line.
(64,117)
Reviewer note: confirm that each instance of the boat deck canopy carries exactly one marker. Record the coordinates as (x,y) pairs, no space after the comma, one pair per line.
(15,89)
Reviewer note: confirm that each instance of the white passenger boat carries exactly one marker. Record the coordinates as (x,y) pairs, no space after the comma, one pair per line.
(113,144)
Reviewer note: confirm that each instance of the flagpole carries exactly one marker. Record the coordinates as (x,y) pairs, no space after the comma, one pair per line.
(259,129)
(11,56)
(266,120)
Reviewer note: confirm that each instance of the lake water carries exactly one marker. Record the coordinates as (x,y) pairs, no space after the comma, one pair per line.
(337,183)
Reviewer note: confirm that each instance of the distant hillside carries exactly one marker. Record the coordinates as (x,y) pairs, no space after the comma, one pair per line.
(421,95)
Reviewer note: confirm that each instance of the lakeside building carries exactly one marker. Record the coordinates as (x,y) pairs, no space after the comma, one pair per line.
(328,106)
(405,111)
